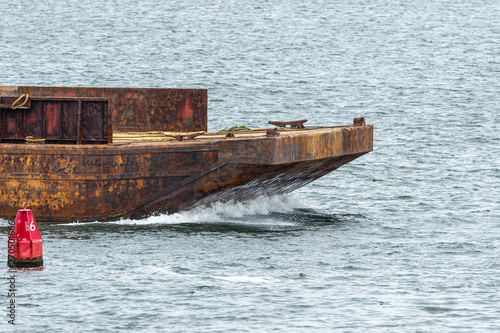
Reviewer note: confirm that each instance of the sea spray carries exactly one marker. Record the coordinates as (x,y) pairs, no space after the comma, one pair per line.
(230,211)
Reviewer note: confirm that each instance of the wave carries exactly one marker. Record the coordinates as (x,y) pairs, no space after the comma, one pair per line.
(244,279)
(5,223)
(220,212)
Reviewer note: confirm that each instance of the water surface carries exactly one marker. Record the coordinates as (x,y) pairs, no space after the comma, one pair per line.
(402,239)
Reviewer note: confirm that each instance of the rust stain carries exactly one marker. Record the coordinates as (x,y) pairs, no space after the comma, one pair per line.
(52,118)
(65,94)
(11,125)
(131,95)
(31,117)
(186,109)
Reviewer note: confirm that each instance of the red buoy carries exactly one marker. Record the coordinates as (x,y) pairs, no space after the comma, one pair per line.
(25,242)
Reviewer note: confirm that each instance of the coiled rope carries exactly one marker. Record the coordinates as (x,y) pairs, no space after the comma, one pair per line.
(14,106)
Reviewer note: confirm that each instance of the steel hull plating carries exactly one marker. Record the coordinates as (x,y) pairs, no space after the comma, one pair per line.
(66,183)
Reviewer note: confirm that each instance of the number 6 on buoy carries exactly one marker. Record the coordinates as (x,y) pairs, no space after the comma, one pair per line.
(32,226)
(25,242)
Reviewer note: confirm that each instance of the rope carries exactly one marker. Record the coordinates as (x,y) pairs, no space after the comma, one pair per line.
(235,128)
(14,106)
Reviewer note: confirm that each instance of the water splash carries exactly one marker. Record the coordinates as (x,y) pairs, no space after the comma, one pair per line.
(5,223)
(219,212)
(230,211)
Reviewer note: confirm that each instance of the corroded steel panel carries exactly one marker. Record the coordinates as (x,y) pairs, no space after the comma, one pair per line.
(88,183)
(34,121)
(294,148)
(70,119)
(94,121)
(57,120)
(10,124)
(52,120)
(138,109)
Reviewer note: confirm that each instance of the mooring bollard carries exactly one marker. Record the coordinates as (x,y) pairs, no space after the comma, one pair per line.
(25,241)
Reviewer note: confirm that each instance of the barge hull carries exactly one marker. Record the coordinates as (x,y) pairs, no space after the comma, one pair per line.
(68,183)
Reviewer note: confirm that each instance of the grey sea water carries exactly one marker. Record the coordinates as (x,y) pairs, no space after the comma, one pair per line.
(404,239)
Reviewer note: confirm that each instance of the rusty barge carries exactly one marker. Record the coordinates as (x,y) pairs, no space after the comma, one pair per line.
(100,154)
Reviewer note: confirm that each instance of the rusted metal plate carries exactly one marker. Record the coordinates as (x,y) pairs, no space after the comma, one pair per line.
(303,146)
(58,120)
(88,183)
(138,109)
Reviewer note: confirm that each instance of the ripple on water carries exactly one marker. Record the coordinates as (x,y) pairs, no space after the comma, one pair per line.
(402,239)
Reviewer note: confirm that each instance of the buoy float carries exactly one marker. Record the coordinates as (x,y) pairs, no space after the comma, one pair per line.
(25,241)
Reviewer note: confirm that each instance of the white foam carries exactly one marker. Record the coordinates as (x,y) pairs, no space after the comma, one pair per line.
(225,212)
(5,223)
(77,223)
(166,271)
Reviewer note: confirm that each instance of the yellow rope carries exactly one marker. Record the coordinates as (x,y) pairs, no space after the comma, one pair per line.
(235,128)
(31,140)
(14,106)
